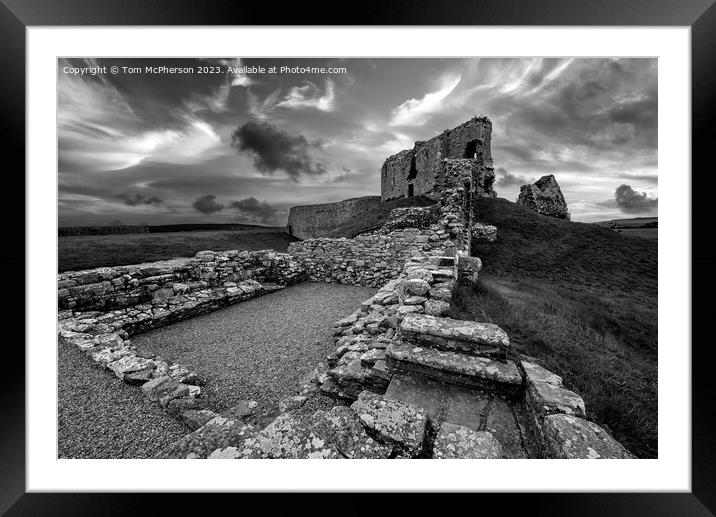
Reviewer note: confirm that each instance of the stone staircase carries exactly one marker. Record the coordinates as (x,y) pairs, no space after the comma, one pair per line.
(459,372)
(456,352)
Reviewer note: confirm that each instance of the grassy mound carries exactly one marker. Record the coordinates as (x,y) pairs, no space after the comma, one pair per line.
(581,299)
(376,218)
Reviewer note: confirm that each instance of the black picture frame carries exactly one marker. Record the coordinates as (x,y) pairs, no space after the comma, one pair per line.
(700,15)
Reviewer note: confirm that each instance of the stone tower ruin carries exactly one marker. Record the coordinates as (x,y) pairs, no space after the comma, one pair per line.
(422,169)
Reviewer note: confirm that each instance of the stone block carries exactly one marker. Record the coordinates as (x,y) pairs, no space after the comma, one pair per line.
(218,433)
(157,388)
(455,441)
(288,437)
(341,428)
(537,373)
(571,437)
(441,293)
(548,399)
(450,334)
(437,307)
(417,286)
(452,367)
(392,421)
(128,364)
(196,418)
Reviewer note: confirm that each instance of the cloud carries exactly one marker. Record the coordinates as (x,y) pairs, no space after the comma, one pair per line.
(507,179)
(99,129)
(590,120)
(258,211)
(139,199)
(207,204)
(344,174)
(261,109)
(273,149)
(310,96)
(416,111)
(649,178)
(238,78)
(631,201)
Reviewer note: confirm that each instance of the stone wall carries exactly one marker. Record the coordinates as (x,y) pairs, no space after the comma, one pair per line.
(312,221)
(375,257)
(108,288)
(421,166)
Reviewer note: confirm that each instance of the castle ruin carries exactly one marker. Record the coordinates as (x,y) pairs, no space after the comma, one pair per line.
(429,169)
(420,170)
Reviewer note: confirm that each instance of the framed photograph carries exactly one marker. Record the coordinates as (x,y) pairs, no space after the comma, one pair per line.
(450,245)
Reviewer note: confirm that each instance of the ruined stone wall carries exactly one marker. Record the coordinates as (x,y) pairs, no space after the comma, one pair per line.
(312,221)
(108,288)
(420,166)
(376,257)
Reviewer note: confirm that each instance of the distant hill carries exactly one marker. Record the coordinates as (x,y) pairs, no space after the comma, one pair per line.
(629,222)
(65,231)
(644,227)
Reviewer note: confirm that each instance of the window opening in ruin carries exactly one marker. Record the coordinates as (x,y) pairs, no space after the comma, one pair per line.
(410,190)
(413,170)
(471,149)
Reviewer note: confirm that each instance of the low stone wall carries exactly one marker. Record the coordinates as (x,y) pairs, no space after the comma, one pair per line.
(109,288)
(138,298)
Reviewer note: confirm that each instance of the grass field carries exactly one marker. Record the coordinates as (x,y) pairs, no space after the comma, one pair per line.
(583,300)
(644,233)
(90,251)
(644,227)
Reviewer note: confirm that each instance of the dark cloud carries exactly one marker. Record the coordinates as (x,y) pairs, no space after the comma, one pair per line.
(273,149)
(139,199)
(507,179)
(252,208)
(207,204)
(631,201)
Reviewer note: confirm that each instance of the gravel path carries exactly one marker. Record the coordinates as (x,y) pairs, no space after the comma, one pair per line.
(261,348)
(100,416)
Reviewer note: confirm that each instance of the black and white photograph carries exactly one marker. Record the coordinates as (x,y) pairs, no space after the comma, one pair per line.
(390,258)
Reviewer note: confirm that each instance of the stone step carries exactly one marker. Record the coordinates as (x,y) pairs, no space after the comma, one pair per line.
(455,368)
(475,409)
(469,337)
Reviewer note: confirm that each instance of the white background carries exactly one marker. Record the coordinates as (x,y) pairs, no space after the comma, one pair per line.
(670,472)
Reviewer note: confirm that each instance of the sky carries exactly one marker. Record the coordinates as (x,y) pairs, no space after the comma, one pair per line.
(243,142)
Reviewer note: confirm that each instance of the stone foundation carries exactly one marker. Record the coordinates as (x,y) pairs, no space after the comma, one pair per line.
(108,288)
